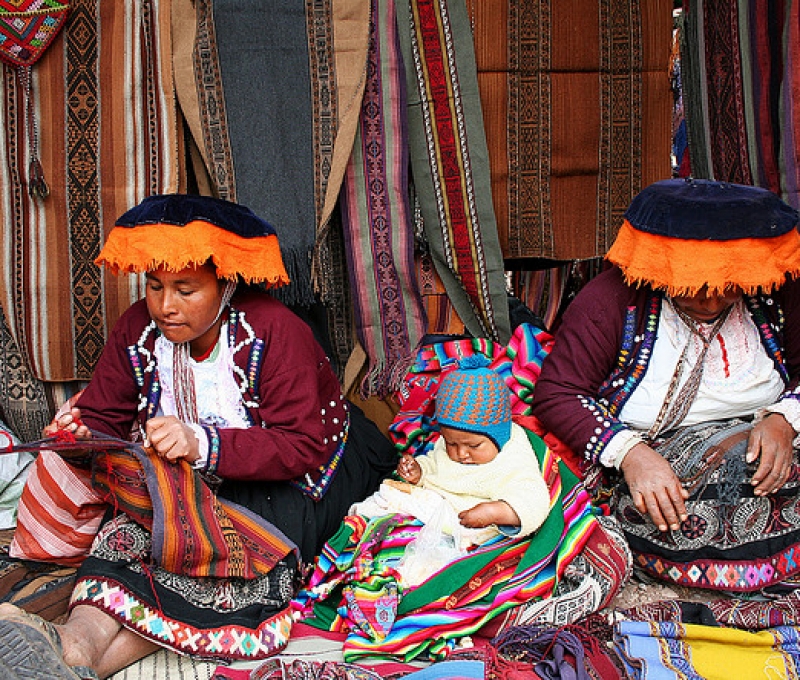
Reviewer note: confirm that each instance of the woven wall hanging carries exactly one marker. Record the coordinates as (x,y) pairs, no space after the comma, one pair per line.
(27,27)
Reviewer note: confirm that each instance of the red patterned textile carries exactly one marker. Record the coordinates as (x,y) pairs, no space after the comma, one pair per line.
(27,27)
(194,533)
(59,513)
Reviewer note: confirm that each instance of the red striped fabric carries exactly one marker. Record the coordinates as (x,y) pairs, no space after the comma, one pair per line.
(193,532)
(59,513)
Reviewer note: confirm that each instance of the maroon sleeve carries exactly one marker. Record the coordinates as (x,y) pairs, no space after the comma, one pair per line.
(109,402)
(301,409)
(584,353)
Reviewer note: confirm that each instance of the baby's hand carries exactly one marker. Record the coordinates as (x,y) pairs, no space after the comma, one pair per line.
(490,512)
(409,469)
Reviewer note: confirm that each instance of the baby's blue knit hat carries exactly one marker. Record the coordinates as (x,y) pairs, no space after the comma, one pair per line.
(474,398)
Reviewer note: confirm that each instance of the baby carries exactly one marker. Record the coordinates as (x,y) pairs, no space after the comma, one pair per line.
(482,463)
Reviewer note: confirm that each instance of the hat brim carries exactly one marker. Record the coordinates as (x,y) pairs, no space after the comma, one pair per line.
(173,247)
(685,267)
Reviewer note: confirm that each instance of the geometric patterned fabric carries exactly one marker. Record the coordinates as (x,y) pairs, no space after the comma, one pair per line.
(473,398)
(27,27)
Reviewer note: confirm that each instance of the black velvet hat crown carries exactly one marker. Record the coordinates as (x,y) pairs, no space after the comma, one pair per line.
(703,209)
(686,236)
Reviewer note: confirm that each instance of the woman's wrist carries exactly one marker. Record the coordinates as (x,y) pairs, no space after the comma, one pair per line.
(790,410)
(618,447)
(779,420)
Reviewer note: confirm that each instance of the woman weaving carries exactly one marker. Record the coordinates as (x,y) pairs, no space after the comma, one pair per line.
(674,383)
(223,380)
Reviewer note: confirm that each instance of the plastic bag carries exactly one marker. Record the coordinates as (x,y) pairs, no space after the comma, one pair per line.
(437,544)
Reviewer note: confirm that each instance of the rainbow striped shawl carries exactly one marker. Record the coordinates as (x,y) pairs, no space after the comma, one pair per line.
(518,363)
(355,586)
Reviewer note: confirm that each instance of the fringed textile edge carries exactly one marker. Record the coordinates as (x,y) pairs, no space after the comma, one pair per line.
(148,247)
(385,377)
(684,267)
(300,291)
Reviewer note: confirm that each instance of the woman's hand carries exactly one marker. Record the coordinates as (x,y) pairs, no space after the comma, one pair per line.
(409,469)
(68,421)
(771,441)
(655,488)
(172,439)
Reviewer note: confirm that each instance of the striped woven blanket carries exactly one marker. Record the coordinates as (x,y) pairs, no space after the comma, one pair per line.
(677,650)
(194,532)
(355,586)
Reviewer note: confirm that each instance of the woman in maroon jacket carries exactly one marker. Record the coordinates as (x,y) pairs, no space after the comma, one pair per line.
(209,371)
(673,381)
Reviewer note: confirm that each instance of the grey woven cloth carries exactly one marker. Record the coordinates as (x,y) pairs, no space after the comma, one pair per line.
(253,80)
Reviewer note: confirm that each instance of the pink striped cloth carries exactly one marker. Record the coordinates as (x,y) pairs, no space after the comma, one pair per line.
(59,513)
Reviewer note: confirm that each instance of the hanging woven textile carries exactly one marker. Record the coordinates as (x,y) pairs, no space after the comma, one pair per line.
(740,88)
(270,94)
(104,103)
(450,164)
(716,83)
(26,30)
(377,217)
(577,106)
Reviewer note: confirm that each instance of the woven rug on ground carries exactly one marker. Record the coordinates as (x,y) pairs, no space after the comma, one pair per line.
(57,303)
(580,650)
(734,612)
(167,665)
(577,108)
(679,650)
(36,587)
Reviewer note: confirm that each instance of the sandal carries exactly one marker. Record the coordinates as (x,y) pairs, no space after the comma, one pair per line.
(30,649)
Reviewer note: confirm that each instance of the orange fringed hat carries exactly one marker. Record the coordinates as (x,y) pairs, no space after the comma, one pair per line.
(681,235)
(175,231)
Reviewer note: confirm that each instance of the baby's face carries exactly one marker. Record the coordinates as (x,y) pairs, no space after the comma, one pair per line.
(468,448)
